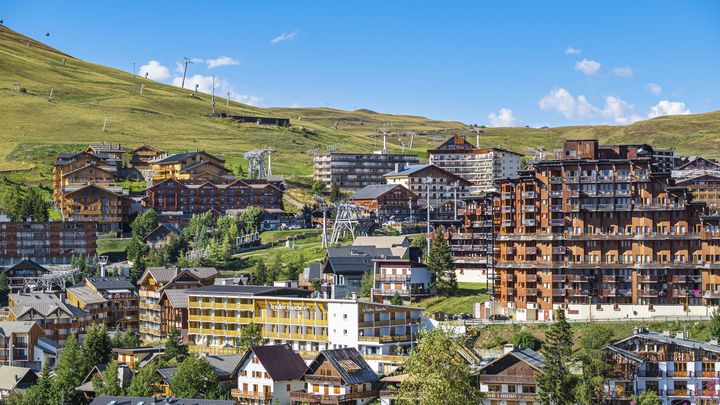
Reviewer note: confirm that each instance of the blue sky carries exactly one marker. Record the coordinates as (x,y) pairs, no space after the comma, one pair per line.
(495,63)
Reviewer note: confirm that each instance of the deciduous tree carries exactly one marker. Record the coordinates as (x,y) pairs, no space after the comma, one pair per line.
(194,378)
(250,336)
(436,373)
(144,223)
(525,339)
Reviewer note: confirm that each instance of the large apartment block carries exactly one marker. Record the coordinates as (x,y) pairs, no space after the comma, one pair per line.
(380,332)
(353,171)
(604,226)
(480,166)
(46,242)
(472,240)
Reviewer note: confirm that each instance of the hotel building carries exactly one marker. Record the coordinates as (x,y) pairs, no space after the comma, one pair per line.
(605,226)
(46,242)
(217,314)
(472,240)
(480,166)
(353,171)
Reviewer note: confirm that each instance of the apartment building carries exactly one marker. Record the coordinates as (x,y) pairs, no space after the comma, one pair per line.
(80,168)
(678,369)
(409,279)
(108,206)
(183,199)
(154,318)
(611,233)
(380,332)
(702,177)
(434,186)
(195,167)
(45,243)
(387,201)
(112,299)
(141,158)
(268,374)
(472,239)
(353,171)
(54,315)
(480,166)
(511,378)
(338,376)
(17,343)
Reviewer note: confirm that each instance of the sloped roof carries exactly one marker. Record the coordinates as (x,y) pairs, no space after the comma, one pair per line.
(118,400)
(8,327)
(162,230)
(107,147)
(42,303)
(529,356)
(662,338)
(177,157)
(354,259)
(177,297)
(349,363)
(87,295)
(280,361)
(251,290)
(382,241)
(226,366)
(166,274)
(167,373)
(110,283)
(24,264)
(408,170)
(374,191)
(10,376)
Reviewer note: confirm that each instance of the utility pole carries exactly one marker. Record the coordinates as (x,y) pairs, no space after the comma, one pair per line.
(227,100)
(187,60)
(133,77)
(213,94)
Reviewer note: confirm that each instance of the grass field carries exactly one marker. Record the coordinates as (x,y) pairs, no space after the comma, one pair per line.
(33,129)
(116,247)
(462,302)
(493,336)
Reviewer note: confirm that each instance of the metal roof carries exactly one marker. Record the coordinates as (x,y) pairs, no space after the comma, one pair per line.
(349,363)
(280,361)
(374,191)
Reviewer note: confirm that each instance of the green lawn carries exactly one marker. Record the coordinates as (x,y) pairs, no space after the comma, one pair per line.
(112,245)
(462,302)
(274,236)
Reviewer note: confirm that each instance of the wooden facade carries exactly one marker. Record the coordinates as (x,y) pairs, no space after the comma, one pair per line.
(45,242)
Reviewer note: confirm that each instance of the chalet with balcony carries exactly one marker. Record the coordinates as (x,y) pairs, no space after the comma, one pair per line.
(406,278)
(58,318)
(268,374)
(387,201)
(338,376)
(511,378)
(17,343)
(141,158)
(24,274)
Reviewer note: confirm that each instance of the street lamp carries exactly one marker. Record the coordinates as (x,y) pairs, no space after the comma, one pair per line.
(428,180)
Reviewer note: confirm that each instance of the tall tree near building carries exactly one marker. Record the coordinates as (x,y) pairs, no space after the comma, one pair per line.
(366,284)
(250,336)
(4,288)
(137,249)
(648,397)
(144,382)
(144,223)
(714,327)
(174,346)
(40,393)
(555,381)
(440,263)
(194,378)
(69,373)
(97,347)
(108,384)
(137,270)
(436,373)
(593,341)
(335,194)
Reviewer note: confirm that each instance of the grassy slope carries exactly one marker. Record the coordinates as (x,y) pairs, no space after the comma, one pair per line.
(461,303)
(33,129)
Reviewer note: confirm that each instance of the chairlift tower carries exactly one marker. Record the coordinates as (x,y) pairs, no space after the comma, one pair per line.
(348,218)
(256,163)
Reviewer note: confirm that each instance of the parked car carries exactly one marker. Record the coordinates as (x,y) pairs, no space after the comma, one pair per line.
(499,317)
(293,227)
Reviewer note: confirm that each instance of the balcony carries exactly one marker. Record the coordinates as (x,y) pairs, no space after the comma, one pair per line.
(529,222)
(648,279)
(531,250)
(609,279)
(588,179)
(529,208)
(559,250)
(305,397)
(623,193)
(532,292)
(555,194)
(507,223)
(605,193)
(528,194)
(571,179)
(506,209)
(513,396)
(559,278)
(531,278)
(711,294)
(556,208)
(558,292)
(556,180)
(240,395)
(651,293)
(578,293)
(506,195)
(557,222)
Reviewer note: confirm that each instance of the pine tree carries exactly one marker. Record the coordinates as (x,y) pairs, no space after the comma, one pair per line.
(137,270)
(335,194)
(174,346)
(4,288)
(366,284)
(69,373)
(108,384)
(714,327)
(396,299)
(441,265)
(593,341)
(555,381)
(41,392)
(260,274)
(97,347)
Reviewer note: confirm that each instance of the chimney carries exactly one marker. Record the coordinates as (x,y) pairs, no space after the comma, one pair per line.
(353,296)
(507,348)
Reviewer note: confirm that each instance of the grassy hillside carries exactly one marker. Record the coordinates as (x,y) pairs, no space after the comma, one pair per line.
(33,129)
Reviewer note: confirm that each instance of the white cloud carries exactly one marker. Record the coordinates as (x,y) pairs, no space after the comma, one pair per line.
(622,71)
(503,118)
(572,51)
(654,89)
(155,71)
(588,67)
(619,111)
(222,88)
(667,107)
(285,36)
(221,61)
(563,102)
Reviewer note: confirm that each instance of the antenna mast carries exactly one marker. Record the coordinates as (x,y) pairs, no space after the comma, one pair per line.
(187,60)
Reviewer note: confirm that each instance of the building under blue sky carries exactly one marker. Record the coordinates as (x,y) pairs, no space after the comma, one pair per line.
(495,63)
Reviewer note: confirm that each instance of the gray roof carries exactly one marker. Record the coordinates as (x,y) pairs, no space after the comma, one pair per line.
(177,297)
(354,259)
(111,283)
(8,327)
(42,303)
(167,373)
(87,295)
(47,345)
(182,156)
(349,363)
(529,356)
(103,400)
(166,274)
(662,338)
(10,376)
(250,290)
(226,366)
(373,191)
(408,170)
